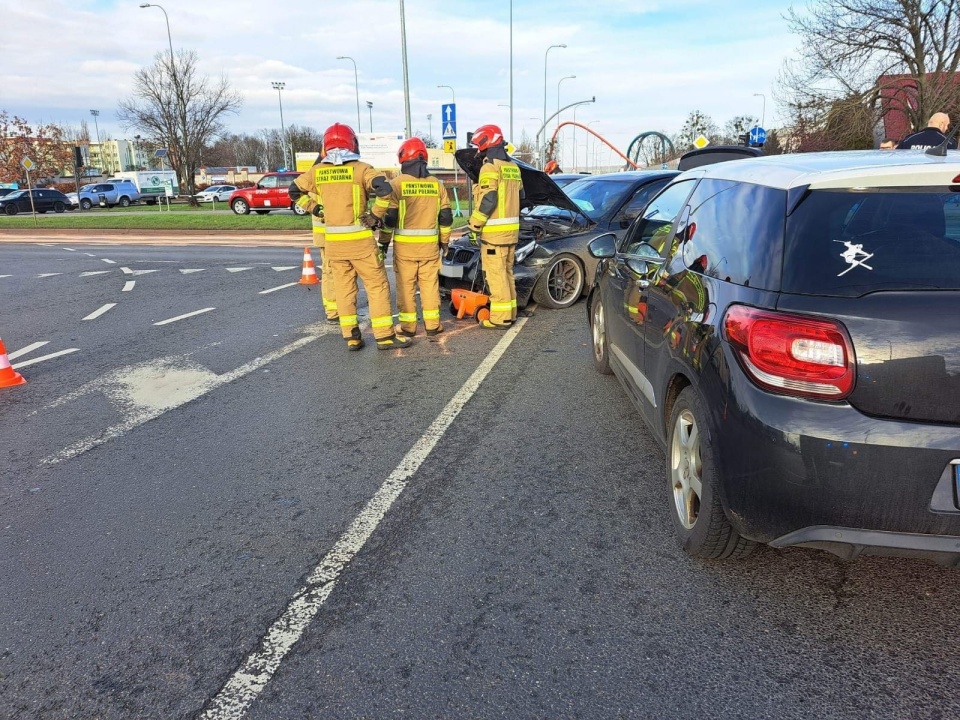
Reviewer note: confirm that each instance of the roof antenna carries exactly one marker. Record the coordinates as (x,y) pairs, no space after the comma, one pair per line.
(941,149)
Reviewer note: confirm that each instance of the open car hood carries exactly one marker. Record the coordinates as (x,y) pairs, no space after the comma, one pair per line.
(538,188)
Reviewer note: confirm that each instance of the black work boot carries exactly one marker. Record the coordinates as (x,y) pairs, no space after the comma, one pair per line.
(355,341)
(393,342)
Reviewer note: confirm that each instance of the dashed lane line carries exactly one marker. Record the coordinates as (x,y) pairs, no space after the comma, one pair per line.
(128,285)
(90,255)
(183,317)
(128,271)
(28,349)
(43,275)
(70,249)
(3,276)
(279,287)
(100,311)
(246,684)
(187,271)
(236,270)
(147,391)
(90,273)
(284,267)
(111,262)
(33,361)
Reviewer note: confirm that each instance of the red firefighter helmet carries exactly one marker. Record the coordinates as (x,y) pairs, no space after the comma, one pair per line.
(486,137)
(551,167)
(412,149)
(340,136)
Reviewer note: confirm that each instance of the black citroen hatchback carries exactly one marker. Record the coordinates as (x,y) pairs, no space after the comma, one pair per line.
(789,328)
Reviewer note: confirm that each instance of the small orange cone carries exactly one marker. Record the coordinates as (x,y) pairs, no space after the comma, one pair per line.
(309,276)
(8,376)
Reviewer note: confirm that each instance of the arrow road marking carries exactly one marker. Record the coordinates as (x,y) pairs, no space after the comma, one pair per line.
(146,391)
(238,269)
(246,684)
(44,357)
(128,271)
(95,272)
(183,317)
(279,287)
(28,349)
(192,270)
(285,267)
(128,285)
(97,313)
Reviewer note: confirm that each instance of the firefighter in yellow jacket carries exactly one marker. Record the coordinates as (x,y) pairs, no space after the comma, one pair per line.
(342,185)
(495,222)
(417,216)
(306,201)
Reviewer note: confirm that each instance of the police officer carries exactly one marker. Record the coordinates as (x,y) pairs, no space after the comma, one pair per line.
(495,222)
(417,216)
(930,136)
(305,200)
(342,185)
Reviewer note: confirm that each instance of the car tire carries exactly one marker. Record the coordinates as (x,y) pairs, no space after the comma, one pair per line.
(124,201)
(86,204)
(297,209)
(261,212)
(240,206)
(598,332)
(692,480)
(561,284)
(11,210)
(59,207)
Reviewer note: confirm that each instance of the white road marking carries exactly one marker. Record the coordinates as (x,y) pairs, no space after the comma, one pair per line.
(182,317)
(97,313)
(238,269)
(44,357)
(43,275)
(128,271)
(28,349)
(111,262)
(90,273)
(192,270)
(70,249)
(3,276)
(128,285)
(144,392)
(246,684)
(89,254)
(285,267)
(279,287)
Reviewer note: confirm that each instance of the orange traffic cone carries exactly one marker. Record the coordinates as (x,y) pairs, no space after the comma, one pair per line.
(309,276)
(8,376)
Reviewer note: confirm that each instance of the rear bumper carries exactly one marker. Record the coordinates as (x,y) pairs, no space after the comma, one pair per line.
(798,472)
(458,266)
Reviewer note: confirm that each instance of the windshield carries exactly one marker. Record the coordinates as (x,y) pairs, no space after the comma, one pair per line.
(850,243)
(596,198)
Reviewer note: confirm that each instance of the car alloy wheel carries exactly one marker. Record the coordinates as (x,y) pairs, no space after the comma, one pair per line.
(59,207)
(11,210)
(86,204)
(686,469)
(240,207)
(298,210)
(561,284)
(598,330)
(124,202)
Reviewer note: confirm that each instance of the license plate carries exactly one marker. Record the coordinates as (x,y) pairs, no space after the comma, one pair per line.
(452,271)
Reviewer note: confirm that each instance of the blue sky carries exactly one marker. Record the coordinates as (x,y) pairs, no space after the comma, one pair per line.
(648,62)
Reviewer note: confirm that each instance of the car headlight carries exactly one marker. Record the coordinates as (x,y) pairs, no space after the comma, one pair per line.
(524,252)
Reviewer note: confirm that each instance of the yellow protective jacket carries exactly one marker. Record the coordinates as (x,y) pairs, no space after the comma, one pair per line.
(497,222)
(415,217)
(342,191)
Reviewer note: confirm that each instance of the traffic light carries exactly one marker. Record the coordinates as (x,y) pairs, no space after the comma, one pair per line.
(77,157)
(744,140)
(469,138)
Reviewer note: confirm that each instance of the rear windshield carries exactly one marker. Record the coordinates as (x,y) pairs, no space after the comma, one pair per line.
(849,243)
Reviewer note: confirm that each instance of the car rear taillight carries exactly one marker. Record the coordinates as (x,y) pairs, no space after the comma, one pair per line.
(792,354)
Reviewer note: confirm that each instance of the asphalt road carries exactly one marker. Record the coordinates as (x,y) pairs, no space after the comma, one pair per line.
(421,533)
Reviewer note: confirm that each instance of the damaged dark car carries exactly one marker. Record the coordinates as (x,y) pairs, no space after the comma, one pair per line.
(552,261)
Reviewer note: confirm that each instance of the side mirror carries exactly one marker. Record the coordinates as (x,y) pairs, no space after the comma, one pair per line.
(604,246)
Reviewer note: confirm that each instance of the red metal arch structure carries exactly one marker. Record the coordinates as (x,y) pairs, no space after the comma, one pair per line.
(598,136)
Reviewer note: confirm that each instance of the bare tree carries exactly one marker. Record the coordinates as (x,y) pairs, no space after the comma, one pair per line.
(175,106)
(892,55)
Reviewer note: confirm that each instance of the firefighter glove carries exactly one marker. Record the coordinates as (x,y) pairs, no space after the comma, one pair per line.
(473,237)
(370,220)
(318,211)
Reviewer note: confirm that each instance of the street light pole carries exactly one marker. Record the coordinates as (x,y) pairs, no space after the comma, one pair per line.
(587,153)
(370,109)
(96,114)
(430,124)
(545,56)
(356,84)
(511,72)
(278,86)
(763,113)
(169,38)
(453,100)
(406,76)
(568,77)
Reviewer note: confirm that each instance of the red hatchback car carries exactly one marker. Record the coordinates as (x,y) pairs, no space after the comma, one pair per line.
(271,193)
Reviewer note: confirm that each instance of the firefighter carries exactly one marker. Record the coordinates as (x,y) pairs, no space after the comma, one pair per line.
(552,168)
(342,185)
(304,199)
(417,216)
(495,222)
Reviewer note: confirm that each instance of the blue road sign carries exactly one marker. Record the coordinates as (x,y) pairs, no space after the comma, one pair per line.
(448,121)
(758,136)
